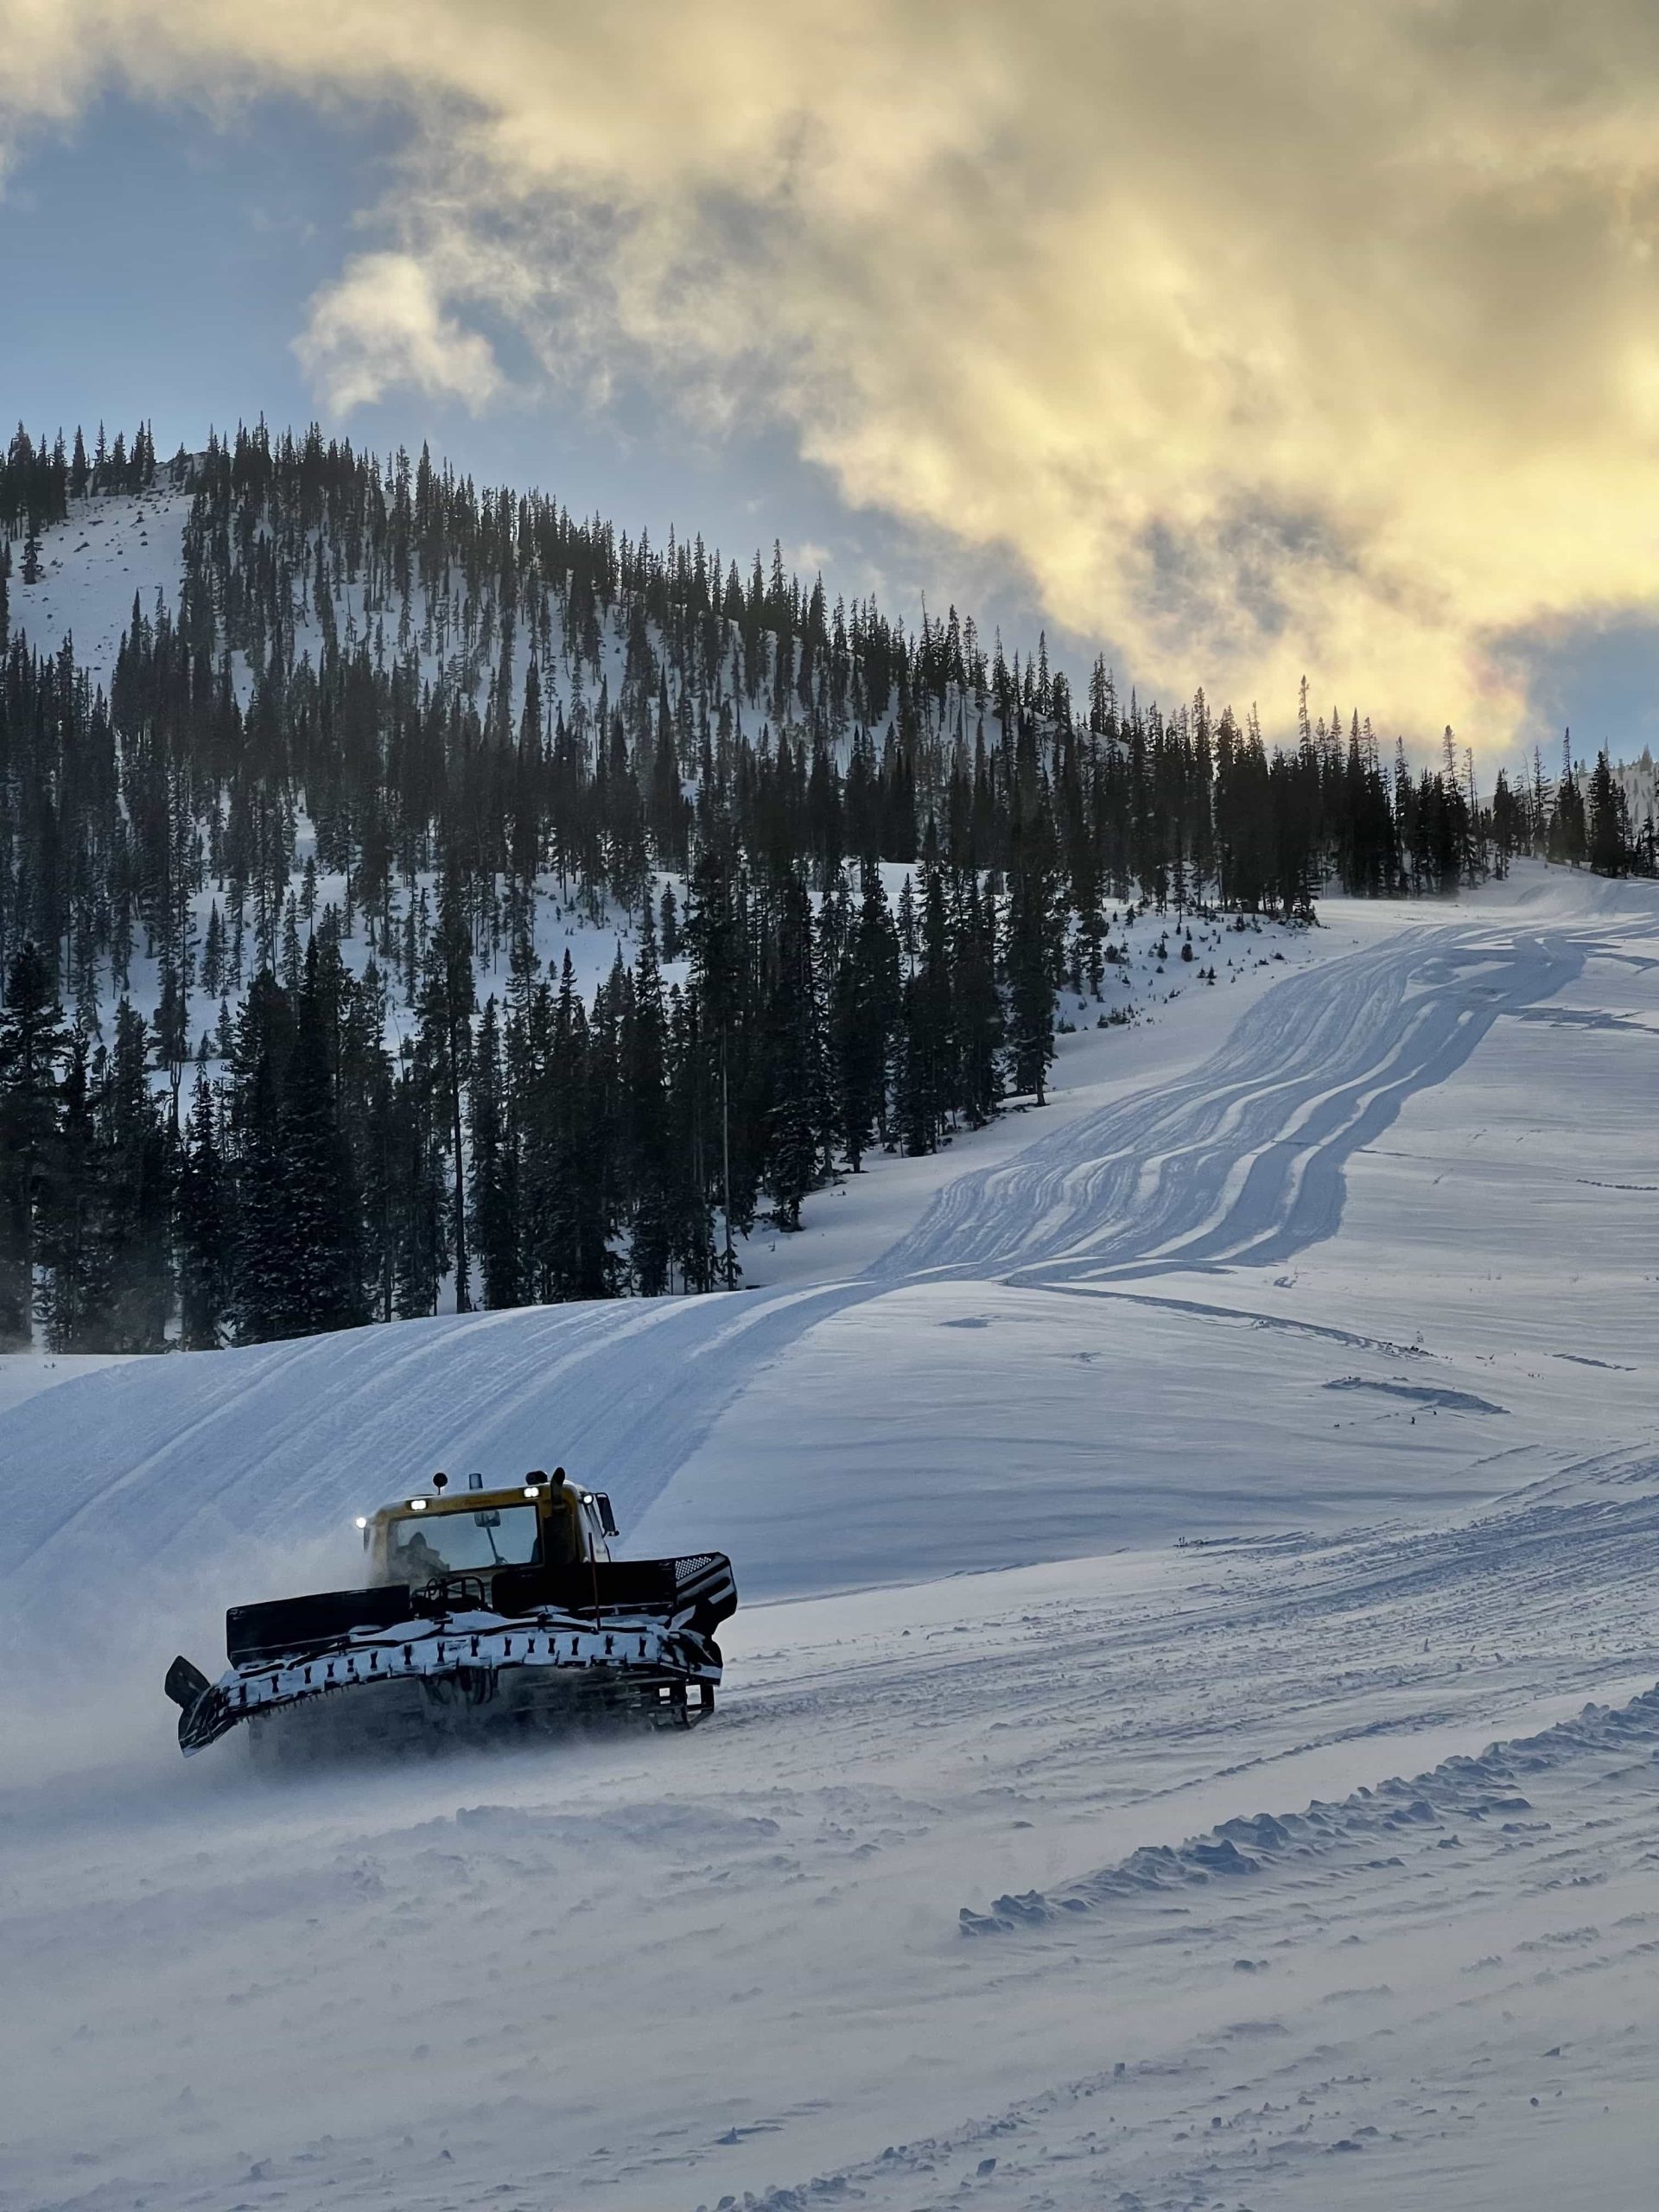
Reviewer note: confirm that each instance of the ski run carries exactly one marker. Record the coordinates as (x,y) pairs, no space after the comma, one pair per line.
(1192,1735)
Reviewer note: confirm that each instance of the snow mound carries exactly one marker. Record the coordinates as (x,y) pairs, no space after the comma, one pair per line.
(1460,1792)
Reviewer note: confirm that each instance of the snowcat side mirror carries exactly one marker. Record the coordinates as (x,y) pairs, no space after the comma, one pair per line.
(606,1518)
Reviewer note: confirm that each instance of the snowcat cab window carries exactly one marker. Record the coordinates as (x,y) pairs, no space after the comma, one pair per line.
(421,1546)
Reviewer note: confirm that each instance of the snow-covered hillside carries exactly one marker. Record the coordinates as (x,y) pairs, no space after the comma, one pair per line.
(113,548)
(188,942)
(1164,1501)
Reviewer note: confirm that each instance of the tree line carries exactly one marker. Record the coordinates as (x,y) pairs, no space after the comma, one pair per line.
(470,709)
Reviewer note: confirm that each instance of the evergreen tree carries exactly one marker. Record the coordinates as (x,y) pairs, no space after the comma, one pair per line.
(494,1213)
(448,1000)
(1030,960)
(977,1016)
(866,1012)
(139,1143)
(32,1042)
(1608,834)
(204,1217)
(927,1071)
(318,1220)
(73,1247)
(416,1190)
(798,1134)
(262,1302)
(692,1122)
(1568,836)
(649,1168)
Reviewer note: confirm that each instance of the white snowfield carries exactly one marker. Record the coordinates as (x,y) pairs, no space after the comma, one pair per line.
(1202,1746)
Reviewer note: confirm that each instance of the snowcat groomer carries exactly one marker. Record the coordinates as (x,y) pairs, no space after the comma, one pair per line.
(503,1598)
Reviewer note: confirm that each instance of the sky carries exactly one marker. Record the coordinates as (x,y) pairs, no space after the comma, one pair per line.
(1239,345)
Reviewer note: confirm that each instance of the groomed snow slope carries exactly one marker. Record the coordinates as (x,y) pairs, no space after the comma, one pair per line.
(1270,1418)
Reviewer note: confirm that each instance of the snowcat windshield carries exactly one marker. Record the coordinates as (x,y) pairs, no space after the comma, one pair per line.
(422,1545)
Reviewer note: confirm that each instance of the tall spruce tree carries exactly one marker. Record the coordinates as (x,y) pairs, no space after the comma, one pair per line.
(977,1017)
(319,1231)
(261,1280)
(649,1163)
(33,1041)
(138,1139)
(203,1227)
(866,1013)
(927,1069)
(72,1247)
(495,1210)
(798,1136)
(447,1002)
(1030,954)
(1607,837)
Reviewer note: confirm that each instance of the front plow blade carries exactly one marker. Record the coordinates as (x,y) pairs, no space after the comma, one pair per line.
(205,1714)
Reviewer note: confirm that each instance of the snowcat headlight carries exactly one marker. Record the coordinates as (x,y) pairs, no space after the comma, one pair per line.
(418,1505)
(362,1519)
(530,1490)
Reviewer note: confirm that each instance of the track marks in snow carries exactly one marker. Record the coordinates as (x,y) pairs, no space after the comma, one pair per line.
(1419,1394)
(258,1448)
(800,1864)
(1451,1973)
(1250,1318)
(1613,1751)
(1241,1164)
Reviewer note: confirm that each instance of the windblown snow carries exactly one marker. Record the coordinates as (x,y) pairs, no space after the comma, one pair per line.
(1192,1734)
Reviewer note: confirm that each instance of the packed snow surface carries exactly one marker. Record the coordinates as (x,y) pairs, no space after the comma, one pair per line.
(1191,1737)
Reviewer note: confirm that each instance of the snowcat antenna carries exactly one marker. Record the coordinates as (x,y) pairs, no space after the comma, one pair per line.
(440,1481)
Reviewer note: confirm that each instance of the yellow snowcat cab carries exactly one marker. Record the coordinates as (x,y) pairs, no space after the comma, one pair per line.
(505,1597)
(541,1522)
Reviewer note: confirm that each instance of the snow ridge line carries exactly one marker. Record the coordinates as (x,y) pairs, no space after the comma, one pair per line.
(1466,1789)
(575,1382)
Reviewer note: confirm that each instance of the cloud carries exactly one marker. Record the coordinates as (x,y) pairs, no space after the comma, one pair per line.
(1291,337)
(381,325)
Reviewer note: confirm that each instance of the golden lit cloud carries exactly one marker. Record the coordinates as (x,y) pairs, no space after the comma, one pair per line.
(381,325)
(1293,337)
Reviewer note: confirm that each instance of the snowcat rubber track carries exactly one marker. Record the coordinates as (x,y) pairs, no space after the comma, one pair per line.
(641,1629)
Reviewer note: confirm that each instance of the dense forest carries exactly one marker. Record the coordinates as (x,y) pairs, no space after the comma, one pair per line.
(395,723)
